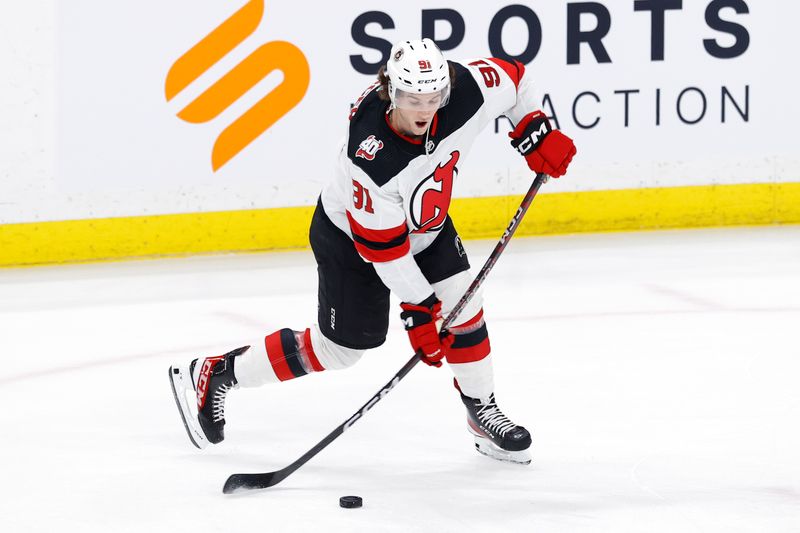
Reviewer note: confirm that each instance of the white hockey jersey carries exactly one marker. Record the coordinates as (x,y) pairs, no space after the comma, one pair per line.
(391,193)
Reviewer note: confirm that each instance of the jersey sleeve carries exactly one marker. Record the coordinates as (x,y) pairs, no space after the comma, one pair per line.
(380,233)
(506,86)
(377,220)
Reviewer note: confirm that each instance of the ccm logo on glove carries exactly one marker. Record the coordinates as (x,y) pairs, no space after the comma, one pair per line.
(420,321)
(545,150)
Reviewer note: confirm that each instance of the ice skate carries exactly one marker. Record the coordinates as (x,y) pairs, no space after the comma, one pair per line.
(495,435)
(200,388)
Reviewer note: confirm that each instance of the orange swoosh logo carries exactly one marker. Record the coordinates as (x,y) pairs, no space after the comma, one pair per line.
(272,56)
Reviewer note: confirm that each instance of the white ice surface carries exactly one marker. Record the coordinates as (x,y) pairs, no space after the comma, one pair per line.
(659,373)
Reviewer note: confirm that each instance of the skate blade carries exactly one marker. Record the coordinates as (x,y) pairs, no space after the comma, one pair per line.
(182,388)
(490,449)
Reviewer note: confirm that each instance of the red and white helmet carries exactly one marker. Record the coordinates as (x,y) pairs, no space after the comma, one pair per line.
(419,76)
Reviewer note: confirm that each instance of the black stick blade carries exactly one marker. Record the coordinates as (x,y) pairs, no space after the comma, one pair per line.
(243,482)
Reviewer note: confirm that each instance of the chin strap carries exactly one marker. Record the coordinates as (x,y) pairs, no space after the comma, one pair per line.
(427,130)
(427,134)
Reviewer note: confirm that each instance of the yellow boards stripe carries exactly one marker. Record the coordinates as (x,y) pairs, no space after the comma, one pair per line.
(117,238)
(281,228)
(633,209)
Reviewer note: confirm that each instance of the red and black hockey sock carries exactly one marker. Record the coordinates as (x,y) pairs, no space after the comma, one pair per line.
(291,354)
(471,341)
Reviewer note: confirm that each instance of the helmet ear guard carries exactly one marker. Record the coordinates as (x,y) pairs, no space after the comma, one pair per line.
(417,68)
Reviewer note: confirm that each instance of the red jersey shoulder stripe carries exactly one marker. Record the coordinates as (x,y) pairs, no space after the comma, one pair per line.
(515,69)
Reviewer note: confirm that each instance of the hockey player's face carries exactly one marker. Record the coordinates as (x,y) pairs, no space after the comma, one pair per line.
(413,122)
(415,111)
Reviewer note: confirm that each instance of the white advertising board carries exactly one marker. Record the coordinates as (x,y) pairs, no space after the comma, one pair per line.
(654,92)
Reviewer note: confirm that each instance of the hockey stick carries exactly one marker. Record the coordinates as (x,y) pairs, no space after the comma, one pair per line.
(268,479)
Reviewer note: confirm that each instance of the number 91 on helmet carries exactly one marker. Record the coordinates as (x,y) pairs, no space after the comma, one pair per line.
(419,76)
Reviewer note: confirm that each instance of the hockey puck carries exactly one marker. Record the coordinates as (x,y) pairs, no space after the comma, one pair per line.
(350,502)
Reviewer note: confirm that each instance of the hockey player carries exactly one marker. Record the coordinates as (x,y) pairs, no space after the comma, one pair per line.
(381,225)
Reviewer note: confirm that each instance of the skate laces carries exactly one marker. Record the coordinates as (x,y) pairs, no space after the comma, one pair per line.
(493,418)
(218,403)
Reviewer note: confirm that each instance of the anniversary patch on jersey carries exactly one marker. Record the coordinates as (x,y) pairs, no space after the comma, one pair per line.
(369,147)
(431,198)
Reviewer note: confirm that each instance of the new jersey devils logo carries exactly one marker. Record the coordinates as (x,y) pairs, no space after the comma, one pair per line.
(431,199)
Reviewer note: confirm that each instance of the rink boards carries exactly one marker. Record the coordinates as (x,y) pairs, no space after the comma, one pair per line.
(285,228)
(114,146)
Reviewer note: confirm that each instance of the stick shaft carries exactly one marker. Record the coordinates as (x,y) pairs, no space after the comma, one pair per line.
(540,180)
(268,479)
